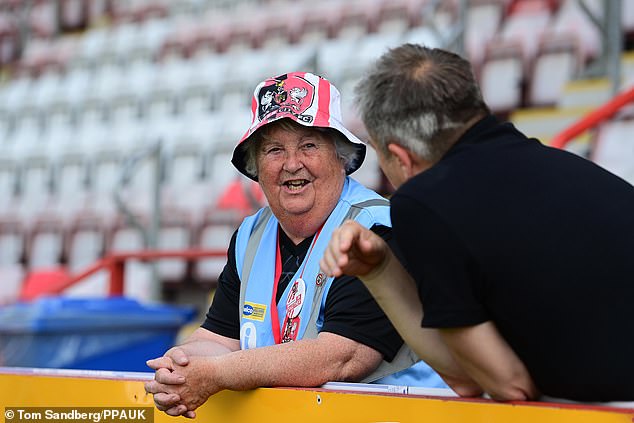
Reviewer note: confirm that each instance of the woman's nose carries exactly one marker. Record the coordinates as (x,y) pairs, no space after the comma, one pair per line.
(292,162)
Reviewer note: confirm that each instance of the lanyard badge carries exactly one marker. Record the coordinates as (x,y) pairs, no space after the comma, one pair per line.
(294,303)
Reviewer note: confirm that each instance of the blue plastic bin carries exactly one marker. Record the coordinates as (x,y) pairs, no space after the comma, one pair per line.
(100,334)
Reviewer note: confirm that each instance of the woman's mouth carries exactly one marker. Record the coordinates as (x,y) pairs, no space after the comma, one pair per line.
(296,184)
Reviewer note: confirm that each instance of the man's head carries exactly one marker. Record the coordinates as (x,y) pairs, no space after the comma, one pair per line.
(298,149)
(419,99)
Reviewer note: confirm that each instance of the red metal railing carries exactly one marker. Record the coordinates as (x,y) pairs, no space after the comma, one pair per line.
(593,118)
(115,265)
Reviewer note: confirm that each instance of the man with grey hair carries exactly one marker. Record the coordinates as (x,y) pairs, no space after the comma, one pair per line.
(515,259)
(276,318)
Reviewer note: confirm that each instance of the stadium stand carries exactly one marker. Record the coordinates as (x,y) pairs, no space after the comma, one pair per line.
(85,85)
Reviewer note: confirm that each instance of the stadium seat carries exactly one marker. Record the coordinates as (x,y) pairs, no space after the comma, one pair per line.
(571,20)
(502,77)
(9,41)
(525,24)
(45,244)
(613,148)
(483,20)
(557,62)
(320,22)
(332,57)
(85,242)
(276,27)
(423,35)
(367,50)
(12,242)
(138,275)
(8,183)
(74,15)
(214,234)
(174,235)
(11,276)
(358,18)
(397,16)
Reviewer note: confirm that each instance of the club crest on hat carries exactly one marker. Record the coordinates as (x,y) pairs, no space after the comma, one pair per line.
(285,96)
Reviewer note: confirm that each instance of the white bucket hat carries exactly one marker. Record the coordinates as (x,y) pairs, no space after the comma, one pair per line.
(307,99)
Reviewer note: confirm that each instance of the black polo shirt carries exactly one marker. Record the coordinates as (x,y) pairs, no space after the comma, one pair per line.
(535,239)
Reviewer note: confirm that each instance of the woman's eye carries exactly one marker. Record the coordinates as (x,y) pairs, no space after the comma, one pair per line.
(309,145)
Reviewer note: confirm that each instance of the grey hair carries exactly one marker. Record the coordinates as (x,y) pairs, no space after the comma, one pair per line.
(345,150)
(419,98)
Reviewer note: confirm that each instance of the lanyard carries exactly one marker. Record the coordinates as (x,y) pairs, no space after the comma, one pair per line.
(275,321)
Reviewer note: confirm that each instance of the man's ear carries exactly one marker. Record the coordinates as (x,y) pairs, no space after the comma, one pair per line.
(405,159)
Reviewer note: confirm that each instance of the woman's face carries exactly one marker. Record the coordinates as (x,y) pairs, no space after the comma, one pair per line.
(300,174)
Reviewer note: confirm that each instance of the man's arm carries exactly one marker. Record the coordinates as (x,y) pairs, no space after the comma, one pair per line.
(491,362)
(354,250)
(309,362)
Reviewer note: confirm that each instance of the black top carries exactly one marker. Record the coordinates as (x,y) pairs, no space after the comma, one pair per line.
(350,309)
(538,240)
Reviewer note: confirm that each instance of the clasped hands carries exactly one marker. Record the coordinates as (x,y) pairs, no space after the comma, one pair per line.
(181,382)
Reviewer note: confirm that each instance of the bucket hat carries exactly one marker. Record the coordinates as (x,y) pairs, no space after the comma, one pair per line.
(303,97)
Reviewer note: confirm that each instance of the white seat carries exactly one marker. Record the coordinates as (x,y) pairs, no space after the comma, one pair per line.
(94,44)
(11,277)
(422,35)
(173,238)
(553,68)
(77,84)
(572,20)
(482,22)
(526,24)
(17,92)
(332,56)
(614,150)
(85,248)
(11,246)
(137,275)
(8,180)
(45,249)
(46,89)
(370,48)
(213,237)
(501,78)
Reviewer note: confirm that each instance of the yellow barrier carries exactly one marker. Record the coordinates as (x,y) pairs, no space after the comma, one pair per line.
(56,388)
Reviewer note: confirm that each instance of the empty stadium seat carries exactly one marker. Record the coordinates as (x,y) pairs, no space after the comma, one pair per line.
(85,243)
(502,77)
(319,22)
(138,275)
(357,19)
(45,245)
(557,62)
(483,20)
(9,41)
(526,22)
(571,20)
(214,234)
(613,148)
(174,235)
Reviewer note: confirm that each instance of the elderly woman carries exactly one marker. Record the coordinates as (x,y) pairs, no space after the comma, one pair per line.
(272,291)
